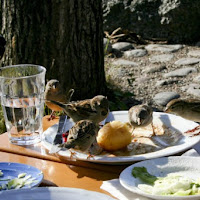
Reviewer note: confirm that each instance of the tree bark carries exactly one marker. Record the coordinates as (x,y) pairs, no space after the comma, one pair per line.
(64,36)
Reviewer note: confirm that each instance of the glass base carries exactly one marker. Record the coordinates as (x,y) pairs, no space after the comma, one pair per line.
(24,140)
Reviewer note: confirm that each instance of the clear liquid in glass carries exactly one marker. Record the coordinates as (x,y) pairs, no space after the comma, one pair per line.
(23,119)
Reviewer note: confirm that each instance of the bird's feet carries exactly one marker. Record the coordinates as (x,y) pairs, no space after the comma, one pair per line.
(153,129)
(72,156)
(52,116)
(90,156)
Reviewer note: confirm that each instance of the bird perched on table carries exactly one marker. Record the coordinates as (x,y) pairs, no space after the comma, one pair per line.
(95,109)
(140,115)
(54,91)
(81,135)
(186,108)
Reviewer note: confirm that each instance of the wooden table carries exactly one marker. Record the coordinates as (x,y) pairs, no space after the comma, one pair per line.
(57,171)
(63,175)
(38,151)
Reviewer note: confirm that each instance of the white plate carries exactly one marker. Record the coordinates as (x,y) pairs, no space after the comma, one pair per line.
(173,121)
(53,193)
(185,166)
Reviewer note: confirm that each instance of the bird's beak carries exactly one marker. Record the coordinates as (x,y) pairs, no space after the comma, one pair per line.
(139,121)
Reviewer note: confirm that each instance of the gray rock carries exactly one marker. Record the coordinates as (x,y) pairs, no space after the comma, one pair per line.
(142,80)
(122,46)
(192,85)
(194,89)
(161,58)
(119,77)
(160,83)
(197,79)
(194,53)
(154,68)
(123,62)
(187,61)
(117,72)
(135,53)
(180,72)
(107,46)
(166,19)
(163,98)
(165,82)
(164,48)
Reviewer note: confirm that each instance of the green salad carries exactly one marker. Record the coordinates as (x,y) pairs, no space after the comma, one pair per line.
(173,184)
(15,183)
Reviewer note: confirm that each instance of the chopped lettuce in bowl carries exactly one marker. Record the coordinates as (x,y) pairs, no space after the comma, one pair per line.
(172,184)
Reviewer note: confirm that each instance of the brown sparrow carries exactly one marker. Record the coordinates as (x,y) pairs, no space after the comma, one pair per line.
(54,92)
(186,108)
(140,115)
(95,109)
(81,135)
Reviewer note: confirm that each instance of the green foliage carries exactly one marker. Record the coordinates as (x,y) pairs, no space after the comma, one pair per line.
(106,47)
(117,100)
(2,122)
(48,111)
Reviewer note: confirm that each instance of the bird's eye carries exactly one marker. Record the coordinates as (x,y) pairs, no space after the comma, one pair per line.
(96,104)
(55,85)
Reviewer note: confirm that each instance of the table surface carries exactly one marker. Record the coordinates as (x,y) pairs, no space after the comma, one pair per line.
(38,151)
(63,175)
(59,171)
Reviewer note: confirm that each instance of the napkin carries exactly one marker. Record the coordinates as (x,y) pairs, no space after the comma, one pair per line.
(117,190)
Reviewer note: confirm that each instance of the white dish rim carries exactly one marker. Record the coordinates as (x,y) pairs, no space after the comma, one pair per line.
(127,159)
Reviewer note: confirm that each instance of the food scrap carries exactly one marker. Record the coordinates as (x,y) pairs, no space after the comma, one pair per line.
(173,184)
(15,183)
(143,174)
(114,135)
(193,132)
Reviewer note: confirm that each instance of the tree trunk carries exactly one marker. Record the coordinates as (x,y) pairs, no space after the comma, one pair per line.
(64,36)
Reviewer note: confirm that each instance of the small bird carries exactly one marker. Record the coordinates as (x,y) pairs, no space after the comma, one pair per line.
(140,115)
(186,108)
(55,92)
(95,109)
(81,136)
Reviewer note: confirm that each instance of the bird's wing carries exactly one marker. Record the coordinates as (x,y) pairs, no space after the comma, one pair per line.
(71,139)
(67,145)
(85,110)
